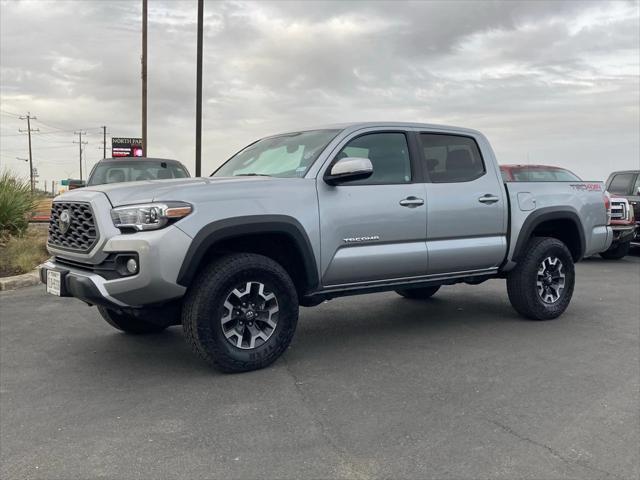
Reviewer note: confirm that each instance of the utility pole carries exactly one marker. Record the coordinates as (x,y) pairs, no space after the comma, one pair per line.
(104,141)
(28,118)
(80,143)
(199,91)
(144,78)
(35,177)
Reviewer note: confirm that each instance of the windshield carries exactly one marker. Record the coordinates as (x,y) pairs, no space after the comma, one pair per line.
(283,156)
(123,171)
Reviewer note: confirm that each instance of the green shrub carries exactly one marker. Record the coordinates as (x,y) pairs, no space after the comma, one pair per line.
(16,204)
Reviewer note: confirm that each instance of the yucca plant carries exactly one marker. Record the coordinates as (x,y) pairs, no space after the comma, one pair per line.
(16,204)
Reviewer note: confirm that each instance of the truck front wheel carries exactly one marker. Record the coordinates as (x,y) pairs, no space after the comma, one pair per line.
(540,287)
(240,312)
(129,323)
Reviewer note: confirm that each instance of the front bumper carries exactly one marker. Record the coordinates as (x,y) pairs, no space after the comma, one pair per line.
(623,233)
(160,255)
(88,288)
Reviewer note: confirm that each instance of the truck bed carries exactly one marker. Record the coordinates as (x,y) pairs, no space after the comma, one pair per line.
(531,200)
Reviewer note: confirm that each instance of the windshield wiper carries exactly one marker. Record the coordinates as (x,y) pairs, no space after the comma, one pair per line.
(252,175)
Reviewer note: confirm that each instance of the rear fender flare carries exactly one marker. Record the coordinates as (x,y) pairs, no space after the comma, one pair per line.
(542,215)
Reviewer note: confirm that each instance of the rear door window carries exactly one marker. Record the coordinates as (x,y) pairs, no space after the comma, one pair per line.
(451,158)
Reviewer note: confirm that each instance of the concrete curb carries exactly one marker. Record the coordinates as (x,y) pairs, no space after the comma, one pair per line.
(20,281)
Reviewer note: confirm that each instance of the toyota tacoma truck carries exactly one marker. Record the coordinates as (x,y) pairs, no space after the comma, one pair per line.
(299,218)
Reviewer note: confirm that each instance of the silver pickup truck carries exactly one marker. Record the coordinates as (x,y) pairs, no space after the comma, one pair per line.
(303,217)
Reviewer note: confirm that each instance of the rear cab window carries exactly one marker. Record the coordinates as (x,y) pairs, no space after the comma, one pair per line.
(136,170)
(542,175)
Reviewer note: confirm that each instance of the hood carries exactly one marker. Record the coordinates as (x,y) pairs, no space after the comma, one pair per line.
(157,190)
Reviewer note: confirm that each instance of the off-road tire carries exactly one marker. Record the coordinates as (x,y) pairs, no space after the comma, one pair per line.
(521,281)
(616,253)
(129,323)
(418,293)
(203,309)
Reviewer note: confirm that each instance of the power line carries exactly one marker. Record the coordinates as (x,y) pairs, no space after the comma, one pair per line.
(63,129)
(6,112)
(52,126)
(56,132)
(39,148)
(61,132)
(45,132)
(54,141)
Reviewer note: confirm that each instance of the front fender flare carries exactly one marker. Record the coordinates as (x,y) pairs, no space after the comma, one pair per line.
(229,228)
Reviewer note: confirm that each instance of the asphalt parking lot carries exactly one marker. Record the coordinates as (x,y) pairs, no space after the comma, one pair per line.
(372,386)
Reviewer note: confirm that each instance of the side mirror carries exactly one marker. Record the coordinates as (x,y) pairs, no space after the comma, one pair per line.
(349,169)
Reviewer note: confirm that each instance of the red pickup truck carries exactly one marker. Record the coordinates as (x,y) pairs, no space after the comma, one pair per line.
(624,188)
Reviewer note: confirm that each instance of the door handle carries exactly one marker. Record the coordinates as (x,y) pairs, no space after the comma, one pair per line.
(412,202)
(488,199)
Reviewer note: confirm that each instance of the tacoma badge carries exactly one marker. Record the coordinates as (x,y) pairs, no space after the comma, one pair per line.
(370,238)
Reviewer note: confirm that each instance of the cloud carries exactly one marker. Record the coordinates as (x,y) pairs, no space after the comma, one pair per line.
(555,82)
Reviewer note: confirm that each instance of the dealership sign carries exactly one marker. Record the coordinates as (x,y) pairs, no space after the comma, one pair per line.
(126,147)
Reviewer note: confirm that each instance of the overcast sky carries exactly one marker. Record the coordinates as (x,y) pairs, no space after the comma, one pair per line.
(547,82)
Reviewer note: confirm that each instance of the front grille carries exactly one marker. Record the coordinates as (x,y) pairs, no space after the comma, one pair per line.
(82,233)
(618,210)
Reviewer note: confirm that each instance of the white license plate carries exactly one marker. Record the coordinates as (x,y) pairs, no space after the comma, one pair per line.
(53,282)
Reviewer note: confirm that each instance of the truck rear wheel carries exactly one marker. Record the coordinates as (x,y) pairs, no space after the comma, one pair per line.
(418,293)
(540,287)
(240,312)
(129,323)
(617,252)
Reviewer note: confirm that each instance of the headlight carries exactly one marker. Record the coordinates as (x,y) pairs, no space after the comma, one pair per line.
(150,216)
